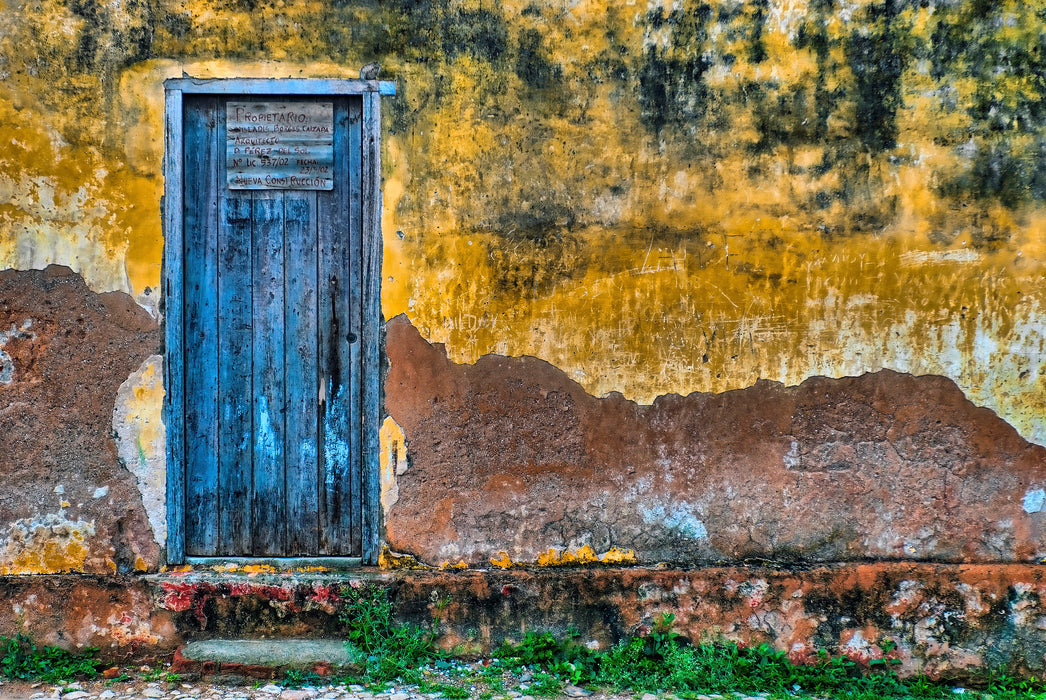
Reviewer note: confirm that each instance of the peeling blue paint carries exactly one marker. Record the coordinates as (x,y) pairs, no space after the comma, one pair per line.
(265,441)
(335,427)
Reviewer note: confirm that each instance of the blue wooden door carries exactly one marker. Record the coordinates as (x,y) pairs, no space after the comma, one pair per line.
(272,316)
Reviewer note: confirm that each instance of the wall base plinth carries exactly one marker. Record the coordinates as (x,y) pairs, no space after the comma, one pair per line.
(943,620)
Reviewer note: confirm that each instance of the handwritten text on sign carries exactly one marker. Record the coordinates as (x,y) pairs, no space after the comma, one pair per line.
(280,145)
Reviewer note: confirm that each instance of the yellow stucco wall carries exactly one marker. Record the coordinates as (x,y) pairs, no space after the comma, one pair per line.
(655,198)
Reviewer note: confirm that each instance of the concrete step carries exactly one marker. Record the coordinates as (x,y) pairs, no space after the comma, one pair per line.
(266,658)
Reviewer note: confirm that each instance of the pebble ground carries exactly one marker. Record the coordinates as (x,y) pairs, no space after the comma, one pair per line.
(142,690)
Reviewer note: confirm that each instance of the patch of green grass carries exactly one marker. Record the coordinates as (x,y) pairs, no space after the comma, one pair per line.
(723,667)
(661,661)
(161,674)
(21,659)
(1004,687)
(545,685)
(564,658)
(444,689)
(665,661)
(293,678)
(393,650)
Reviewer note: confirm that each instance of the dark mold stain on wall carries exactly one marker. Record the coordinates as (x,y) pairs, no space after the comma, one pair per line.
(671,77)
(509,455)
(689,76)
(105,43)
(877,59)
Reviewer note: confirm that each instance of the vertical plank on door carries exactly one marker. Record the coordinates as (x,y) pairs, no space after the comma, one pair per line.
(201,326)
(269,407)
(372,327)
(235,422)
(351,519)
(300,339)
(335,261)
(172,299)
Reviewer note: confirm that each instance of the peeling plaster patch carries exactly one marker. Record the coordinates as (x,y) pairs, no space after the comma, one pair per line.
(7,365)
(52,225)
(753,591)
(141,439)
(127,628)
(48,544)
(393,461)
(859,300)
(907,592)
(972,596)
(1034,500)
(680,517)
(982,355)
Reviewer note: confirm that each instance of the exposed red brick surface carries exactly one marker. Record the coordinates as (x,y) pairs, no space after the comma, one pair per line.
(510,455)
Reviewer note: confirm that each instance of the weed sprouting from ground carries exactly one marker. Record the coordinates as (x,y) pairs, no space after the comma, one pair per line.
(660,661)
(294,678)
(445,689)
(720,667)
(21,659)
(664,661)
(393,650)
(566,659)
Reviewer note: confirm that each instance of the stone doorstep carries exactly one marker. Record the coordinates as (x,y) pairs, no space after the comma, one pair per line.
(265,658)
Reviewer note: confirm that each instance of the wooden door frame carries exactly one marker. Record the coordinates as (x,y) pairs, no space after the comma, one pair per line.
(173,299)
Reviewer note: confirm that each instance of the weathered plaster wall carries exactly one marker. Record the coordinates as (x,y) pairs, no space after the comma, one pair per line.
(67,503)
(652,198)
(114,613)
(511,461)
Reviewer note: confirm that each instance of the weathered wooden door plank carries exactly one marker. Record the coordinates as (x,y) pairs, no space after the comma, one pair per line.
(269,532)
(302,376)
(372,325)
(172,297)
(335,337)
(235,426)
(201,326)
(351,515)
